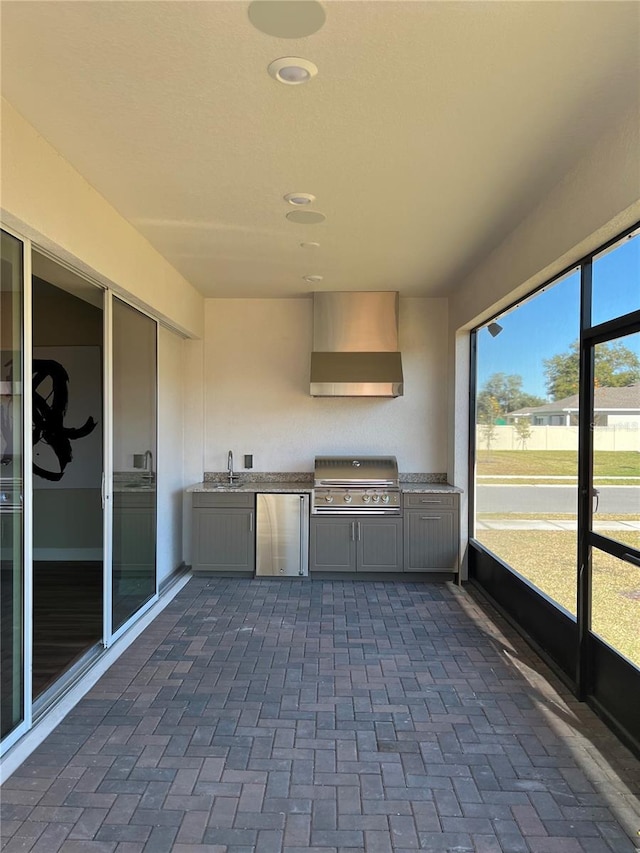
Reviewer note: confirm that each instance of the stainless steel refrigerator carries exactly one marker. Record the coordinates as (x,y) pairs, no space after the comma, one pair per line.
(282,535)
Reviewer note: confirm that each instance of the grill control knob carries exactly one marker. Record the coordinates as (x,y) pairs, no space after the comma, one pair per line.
(366,498)
(329,499)
(385,499)
(347,499)
(376,499)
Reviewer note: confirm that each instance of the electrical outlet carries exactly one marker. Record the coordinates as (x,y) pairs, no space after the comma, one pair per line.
(248,460)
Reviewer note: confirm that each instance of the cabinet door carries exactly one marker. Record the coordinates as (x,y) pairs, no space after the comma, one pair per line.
(332,545)
(379,544)
(223,540)
(134,542)
(431,541)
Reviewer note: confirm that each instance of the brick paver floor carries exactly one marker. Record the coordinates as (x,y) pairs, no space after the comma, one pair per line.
(285,716)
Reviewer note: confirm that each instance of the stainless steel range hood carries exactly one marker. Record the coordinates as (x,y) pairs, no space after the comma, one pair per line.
(355,345)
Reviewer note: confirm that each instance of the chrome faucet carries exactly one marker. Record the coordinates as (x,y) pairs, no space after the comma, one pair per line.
(148,465)
(230,466)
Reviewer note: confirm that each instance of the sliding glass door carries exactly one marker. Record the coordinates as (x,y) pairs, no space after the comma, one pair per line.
(68,456)
(12,572)
(78,462)
(134,349)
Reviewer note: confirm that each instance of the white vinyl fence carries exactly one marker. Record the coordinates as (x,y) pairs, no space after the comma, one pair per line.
(617,437)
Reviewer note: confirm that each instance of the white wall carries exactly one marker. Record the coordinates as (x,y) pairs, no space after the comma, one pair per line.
(256,383)
(171,410)
(47,200)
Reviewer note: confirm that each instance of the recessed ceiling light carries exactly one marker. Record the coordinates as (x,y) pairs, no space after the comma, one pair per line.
(306,217)
(292,70)
(287,20)
(313,279)
(299,198)
(310,245)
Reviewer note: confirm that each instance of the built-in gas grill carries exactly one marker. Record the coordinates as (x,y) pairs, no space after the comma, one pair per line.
(366,485)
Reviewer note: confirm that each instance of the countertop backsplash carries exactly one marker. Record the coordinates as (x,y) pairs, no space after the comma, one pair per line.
(303,477)
(260,476)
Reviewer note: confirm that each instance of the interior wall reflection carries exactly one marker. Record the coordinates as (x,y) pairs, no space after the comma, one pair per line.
(527,439)
(134,461)
(11,484)
(67,470)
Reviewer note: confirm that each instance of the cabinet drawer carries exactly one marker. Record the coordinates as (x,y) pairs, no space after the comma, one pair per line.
(430,501)
(226,499)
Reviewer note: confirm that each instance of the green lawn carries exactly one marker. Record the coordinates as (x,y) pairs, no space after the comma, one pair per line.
(607,463)
(547,558)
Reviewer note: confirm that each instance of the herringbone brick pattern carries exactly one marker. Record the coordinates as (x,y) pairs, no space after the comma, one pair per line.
(326,717)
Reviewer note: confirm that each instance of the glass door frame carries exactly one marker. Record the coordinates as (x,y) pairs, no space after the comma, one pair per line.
(107,469)
(27,496)
(110,636)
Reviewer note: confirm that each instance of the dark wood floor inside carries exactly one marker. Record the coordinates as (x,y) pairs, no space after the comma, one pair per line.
(67,617)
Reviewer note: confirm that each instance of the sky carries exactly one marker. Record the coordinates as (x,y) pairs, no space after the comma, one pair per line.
(548,324)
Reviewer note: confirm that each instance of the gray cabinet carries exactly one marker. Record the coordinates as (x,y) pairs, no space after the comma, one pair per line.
(134,536)
(353,544)
(431,532)
(223,532)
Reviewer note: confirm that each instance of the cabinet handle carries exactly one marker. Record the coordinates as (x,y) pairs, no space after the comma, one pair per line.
(250,522)
(427,501)
(430,517)
(358,531)
(353,531)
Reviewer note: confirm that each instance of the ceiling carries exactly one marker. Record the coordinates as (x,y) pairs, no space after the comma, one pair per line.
(429,132)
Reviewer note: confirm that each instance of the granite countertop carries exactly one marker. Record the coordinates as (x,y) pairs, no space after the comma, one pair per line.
(281,486)
(304,486)
(429,488)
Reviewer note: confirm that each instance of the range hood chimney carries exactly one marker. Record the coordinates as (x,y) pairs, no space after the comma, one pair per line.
(355,345)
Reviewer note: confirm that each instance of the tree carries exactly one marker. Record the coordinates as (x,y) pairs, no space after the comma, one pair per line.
(489,424)
(614,367)
(523,431)
(503,393)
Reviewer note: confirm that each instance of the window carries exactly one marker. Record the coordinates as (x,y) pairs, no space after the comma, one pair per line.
(527,468)
(616,280)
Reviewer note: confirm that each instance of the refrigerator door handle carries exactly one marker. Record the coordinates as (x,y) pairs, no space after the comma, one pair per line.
(302,536)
